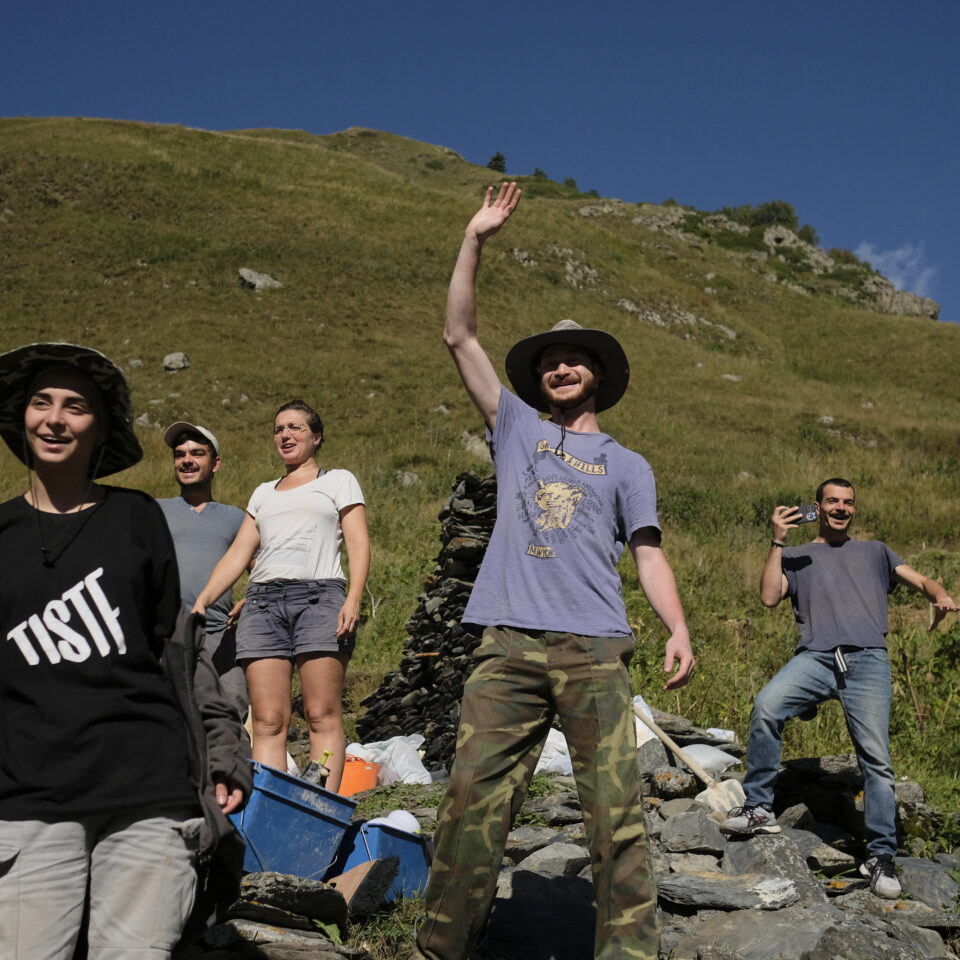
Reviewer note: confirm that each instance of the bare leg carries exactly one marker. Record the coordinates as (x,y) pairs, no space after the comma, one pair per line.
(321,680)
(268,680)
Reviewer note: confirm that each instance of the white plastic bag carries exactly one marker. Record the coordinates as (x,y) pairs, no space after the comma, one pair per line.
(555,756)
(644,733)
(398,759)
(712,759)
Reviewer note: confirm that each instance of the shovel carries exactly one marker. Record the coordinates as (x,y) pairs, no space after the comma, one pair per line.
(723,796)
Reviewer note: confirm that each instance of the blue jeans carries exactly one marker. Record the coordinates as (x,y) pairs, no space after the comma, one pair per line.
(864,693)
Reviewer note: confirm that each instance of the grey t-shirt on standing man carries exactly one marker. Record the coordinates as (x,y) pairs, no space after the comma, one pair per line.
(839,592)
(201,538)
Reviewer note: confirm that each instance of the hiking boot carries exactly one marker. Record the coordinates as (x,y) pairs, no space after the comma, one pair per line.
(883,876)
(755,818)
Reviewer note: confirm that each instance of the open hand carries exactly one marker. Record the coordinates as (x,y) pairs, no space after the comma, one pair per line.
(495,211)
(940,609)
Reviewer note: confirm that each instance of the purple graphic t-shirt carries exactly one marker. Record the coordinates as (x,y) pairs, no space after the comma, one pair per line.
(562,522)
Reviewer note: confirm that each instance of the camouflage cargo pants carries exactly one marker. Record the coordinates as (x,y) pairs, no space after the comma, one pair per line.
(520,682)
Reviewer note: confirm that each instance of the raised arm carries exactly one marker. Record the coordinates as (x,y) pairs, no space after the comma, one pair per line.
(773,583)
(460,325)
(935,592)
(659,584)
(231,565)
(353,523)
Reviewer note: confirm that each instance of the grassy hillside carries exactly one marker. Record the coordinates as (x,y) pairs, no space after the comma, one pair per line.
(128,237)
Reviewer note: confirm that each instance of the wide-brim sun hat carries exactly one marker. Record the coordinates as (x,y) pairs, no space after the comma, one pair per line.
(20,367)
(523,357)
(171,434)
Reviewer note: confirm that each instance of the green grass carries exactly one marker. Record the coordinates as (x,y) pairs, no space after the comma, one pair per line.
(128,237)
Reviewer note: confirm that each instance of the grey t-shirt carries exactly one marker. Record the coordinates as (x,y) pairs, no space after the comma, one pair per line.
(562,523)
(839,592)
(200,540)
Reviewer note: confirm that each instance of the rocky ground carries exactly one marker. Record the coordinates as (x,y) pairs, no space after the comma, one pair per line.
(796,895)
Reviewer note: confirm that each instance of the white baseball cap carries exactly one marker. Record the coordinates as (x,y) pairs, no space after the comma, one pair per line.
(181,426)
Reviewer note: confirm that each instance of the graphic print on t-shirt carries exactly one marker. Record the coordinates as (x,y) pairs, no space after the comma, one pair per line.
(552,507)
(78,605)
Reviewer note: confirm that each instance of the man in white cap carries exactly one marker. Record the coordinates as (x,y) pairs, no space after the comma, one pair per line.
(556,641)
(202,530)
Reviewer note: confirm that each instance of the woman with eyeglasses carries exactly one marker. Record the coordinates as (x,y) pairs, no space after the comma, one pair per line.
(299,608)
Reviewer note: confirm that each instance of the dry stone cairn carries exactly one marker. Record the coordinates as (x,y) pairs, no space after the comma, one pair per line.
(423,695)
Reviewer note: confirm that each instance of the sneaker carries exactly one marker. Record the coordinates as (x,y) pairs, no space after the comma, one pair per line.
(315,773)
(883,877)
(751,819)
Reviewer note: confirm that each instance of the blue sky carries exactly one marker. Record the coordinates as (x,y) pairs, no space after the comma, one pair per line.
(846,109)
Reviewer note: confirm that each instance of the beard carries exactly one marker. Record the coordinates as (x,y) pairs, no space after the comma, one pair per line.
(573,400)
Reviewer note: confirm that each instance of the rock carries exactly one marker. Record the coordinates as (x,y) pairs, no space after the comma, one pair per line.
(860,941)
(651,755)
(526,840)
(272,916)
(690,832)
(309,898)
(720,891)
(692,863)
(796,816)
(753,934)
(819,855)
(176,361)
(134,363)
(555,809)
(669,783)
(671,808)
(407,478)
(476,446)
(774,855)
(262,933)
(928,881)
(257,281)
(922,943)
(556,860)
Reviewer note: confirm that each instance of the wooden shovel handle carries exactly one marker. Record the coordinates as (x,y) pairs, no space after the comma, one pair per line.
(668,740)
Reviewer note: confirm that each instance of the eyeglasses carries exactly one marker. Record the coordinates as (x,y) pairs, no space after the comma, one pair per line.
(294,428)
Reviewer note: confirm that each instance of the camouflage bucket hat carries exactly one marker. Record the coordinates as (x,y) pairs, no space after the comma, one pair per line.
(523,358)
(20,367)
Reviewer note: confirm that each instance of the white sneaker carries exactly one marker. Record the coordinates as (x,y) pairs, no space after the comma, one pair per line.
(883,877)
(751,819)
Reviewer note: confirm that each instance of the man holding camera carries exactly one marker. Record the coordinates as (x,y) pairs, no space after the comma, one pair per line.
(838,587)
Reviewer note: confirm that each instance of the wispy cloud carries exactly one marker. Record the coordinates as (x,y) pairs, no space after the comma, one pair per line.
(905,267)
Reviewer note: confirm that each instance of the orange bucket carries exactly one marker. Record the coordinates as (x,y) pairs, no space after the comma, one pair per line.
(358,775)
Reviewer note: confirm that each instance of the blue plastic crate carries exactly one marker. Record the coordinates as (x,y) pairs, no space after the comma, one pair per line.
(376,841)
(291,826)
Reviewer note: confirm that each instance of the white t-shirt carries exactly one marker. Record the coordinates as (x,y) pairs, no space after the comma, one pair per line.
(300,535)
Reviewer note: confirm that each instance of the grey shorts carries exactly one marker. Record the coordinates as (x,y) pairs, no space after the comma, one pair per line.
(290,617)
